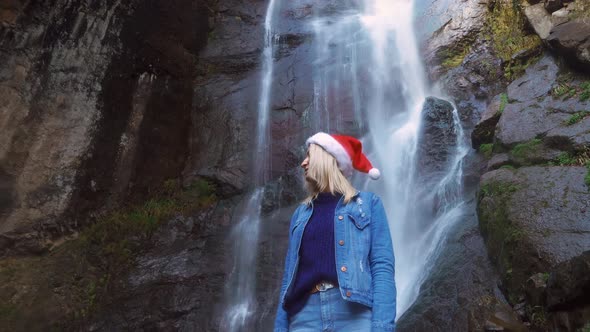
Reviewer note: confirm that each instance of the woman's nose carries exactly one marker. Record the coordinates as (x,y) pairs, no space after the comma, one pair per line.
(304,163)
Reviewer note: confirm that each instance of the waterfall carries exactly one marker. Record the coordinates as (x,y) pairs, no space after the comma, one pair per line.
(369,80)
(240,290)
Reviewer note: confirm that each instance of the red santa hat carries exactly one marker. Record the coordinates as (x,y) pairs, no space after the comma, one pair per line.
(348,152)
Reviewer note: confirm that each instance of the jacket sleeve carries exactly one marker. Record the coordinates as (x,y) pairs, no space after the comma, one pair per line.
(383,270)
(282,320)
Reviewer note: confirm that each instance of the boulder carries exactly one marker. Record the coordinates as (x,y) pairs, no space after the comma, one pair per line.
(569,284)
(498,160)
(438,138)
(553,5)
(533,111)
(568,294)
(483,132)
(572,40)
(533,218)
(539,19)
(474,302)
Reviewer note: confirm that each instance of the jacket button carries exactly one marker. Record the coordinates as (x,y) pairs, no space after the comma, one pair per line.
(341,242)
(340,217)
(348,293)
(343,269)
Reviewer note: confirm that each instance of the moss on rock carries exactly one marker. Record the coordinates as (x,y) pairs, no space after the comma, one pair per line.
(63,288)
(501,235)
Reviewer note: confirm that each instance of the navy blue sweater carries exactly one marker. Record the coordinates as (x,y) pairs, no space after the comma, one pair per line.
(317,256)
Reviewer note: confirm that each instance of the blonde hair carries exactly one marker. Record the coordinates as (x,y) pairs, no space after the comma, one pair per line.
(323,175)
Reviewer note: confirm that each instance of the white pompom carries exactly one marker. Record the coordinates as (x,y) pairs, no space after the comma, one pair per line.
(374,174)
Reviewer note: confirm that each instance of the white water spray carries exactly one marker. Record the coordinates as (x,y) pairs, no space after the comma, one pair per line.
(367,70)
(241,288)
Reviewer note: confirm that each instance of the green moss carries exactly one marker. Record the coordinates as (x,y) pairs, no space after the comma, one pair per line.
(83,271)
(525,152)
(109,239)
(486,149)
(510,167)
(502,236)
(503,102)
(587,177)
(585,94)
(565,159)
(506,25)
(452,58)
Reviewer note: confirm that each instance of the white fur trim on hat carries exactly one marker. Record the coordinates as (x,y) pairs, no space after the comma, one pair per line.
(331,145)
(374,173)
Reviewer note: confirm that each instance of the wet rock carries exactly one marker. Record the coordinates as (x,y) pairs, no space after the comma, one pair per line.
(483,133)
(532,111)
(533,218)
(438,138)
(568,293)
(533,83)
(553,5)
(455,35)
(498,160)
(460,293)
(569,284)
(572,41)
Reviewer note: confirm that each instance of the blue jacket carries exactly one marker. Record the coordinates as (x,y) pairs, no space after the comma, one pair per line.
(364,263)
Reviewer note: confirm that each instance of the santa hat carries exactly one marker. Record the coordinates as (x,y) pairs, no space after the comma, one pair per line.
(348,152)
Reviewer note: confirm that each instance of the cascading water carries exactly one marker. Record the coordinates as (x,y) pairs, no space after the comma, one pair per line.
(367,71)
(240,290)
(368,81)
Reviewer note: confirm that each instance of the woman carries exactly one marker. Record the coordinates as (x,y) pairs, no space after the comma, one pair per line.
(339,269)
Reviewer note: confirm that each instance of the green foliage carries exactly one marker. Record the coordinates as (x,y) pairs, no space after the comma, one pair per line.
(585,328)
(562,90)
(565,159)
(114,237)
(486,149)
(527,150)
(585,94)
(502,235)
(453,58)
(503,102)
(587,177)
(545,276)
(510,167)
(577,117)
(507,30)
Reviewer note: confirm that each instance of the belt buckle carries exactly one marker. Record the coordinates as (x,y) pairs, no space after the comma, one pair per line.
(324,286)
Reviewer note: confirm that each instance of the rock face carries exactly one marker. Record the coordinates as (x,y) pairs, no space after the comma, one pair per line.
(92,93)
(535,217)
(466,20)
(438,138)
(461,292)
(568,289)
(572,40)
(527,229)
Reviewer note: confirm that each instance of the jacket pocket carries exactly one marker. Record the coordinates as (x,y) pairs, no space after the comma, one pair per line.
(360,220)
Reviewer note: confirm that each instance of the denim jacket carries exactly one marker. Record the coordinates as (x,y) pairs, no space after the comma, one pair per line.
(364,263)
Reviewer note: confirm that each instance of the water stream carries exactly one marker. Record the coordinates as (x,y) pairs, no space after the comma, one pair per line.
(240,290)
(368,80)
